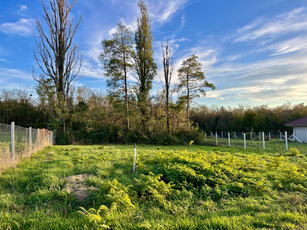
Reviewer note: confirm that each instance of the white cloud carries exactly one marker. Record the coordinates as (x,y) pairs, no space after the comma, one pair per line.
(23,27)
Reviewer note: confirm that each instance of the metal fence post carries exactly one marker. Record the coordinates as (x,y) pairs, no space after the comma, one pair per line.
(286,140)
(30,139)
(228,139)
(259,136)
(244,137)
(216,141)
(12,139)
(263,141)
(280,134)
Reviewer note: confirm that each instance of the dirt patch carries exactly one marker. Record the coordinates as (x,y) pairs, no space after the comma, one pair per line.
(76,185)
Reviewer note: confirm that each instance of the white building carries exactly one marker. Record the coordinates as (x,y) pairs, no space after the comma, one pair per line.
(299,130)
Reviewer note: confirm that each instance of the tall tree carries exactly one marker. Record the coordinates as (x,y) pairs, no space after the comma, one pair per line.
(55,51)
(117,57)
(168,71)
(192,81)
(145,65)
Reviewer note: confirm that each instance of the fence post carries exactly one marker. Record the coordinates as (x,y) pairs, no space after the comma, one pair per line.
(244,136)
(51,134)
(259,136)
(216,141)
(222,134)
(30,139)
(228,139)
(280,134)
(269,136)
(134,158)
(12,139)
(286,140)
(38,138)
(263,141)
(205,136)
(251,135)
(235,134)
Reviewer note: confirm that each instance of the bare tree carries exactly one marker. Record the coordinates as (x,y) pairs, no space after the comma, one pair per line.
(168,71)
(55,51)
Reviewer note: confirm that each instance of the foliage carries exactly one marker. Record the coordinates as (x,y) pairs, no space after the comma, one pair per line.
(192,80)
(117,57)
(144,63)
(151,187)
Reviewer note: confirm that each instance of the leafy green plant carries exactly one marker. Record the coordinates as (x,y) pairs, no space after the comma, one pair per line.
(151,187)
(98,217)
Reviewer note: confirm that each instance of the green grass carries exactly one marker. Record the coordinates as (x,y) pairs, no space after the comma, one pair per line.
(176,187)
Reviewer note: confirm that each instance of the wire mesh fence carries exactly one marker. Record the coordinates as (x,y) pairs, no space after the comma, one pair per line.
(18,142)
(270,141)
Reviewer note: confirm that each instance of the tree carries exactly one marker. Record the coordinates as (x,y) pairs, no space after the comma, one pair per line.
(168,72)
(192,80)
(56,54)
(145,66)
(117,57)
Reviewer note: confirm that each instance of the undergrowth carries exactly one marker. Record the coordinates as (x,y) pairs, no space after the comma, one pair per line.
(175,187)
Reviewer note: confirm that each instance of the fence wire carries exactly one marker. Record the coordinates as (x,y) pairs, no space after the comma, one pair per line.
(26,141)
(273,141)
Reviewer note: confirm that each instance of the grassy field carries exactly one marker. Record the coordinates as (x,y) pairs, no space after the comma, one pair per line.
(173,188)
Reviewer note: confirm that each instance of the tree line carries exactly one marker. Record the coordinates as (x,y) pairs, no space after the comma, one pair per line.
(97,118)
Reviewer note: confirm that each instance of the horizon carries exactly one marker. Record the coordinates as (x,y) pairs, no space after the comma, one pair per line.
(254,52)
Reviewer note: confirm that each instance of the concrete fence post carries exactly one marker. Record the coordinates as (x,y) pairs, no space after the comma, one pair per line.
(244,137)
(12,139)
(263,141)
(286,140)
(51,134)
(216,140)
(38,142)
(228,139)
(30,139)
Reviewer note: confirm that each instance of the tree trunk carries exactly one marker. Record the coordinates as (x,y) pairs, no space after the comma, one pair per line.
(167,109)
(126,93)
(188,100)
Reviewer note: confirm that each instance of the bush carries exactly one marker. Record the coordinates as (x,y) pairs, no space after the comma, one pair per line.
(62,138)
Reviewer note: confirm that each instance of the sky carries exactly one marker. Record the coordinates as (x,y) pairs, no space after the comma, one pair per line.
(255,51)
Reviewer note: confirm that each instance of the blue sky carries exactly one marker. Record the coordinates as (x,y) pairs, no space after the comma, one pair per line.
(254,51)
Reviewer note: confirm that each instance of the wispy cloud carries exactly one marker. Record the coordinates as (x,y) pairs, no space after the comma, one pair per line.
(14,74)
(22,10)
(23,27)
(162,11)
(293,21)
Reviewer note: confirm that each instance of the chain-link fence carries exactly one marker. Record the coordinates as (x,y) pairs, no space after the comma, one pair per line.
(18,142)
(270,141)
